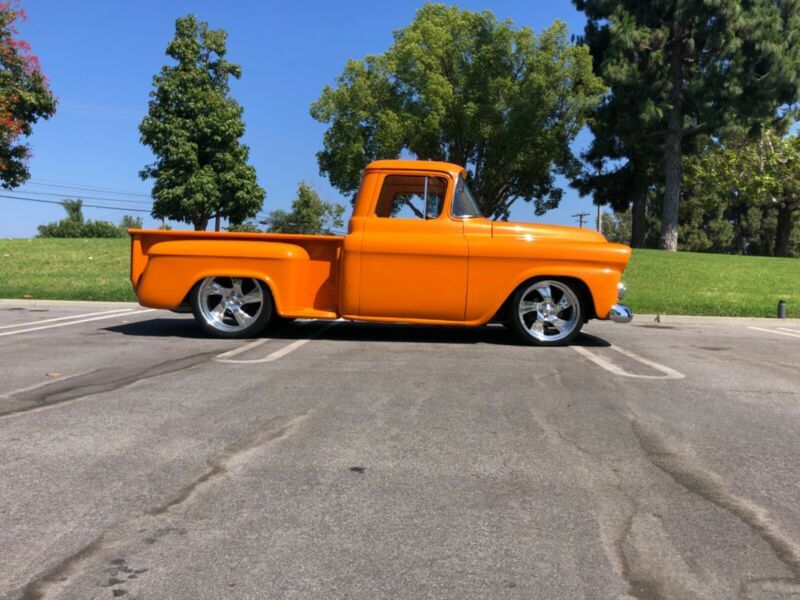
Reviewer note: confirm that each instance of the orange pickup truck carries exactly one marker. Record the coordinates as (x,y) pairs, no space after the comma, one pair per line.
(417,251)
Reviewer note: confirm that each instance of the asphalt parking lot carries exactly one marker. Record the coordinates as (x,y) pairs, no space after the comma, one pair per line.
(350,460)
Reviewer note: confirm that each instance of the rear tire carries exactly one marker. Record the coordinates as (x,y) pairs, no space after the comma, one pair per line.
(231,307)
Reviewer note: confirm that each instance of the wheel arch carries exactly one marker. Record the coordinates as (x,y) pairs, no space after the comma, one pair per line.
(263,278)
(583,291)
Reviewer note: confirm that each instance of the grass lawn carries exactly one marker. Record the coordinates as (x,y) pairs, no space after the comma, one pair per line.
(66,269)
(682,283)
(690,283)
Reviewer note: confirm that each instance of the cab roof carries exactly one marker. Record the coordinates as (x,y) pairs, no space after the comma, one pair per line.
(415,165)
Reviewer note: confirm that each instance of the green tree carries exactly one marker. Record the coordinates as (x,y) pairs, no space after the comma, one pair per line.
(696,67)
(744,197)
(616,226)
(248,226)
(193,127)
(309,214)
(74,210)
(460,86)
(75,226)
(25,97)
(129,222)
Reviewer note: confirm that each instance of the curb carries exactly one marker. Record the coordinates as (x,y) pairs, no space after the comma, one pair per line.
(9,302)
(638,319)
(697,320)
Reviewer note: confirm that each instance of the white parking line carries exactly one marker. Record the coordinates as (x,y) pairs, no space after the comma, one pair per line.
(123,314)
(104,312)
(611,367)
(240,349)
(789,329)
(794,335)
(225,356)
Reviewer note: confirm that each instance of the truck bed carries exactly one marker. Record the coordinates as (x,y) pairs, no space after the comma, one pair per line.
(301,270)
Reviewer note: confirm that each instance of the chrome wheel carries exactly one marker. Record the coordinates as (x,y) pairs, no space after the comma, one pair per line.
(549,311)
(230,304)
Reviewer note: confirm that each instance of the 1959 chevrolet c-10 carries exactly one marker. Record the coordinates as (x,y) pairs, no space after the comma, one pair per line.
(417,251)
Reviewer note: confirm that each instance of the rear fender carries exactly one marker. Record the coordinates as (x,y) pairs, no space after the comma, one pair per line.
(175,266)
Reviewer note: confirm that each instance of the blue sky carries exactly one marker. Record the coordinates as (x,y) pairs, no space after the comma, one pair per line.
(100,57)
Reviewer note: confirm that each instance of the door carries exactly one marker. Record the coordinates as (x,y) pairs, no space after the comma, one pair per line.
(414,256)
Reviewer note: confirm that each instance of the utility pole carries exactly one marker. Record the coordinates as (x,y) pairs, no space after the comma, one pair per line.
(581,216)
(599,224)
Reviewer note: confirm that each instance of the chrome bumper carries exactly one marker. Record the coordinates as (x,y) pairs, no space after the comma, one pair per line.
(620,313)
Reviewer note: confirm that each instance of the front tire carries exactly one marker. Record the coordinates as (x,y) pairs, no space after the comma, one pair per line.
(231,307)
(547,313)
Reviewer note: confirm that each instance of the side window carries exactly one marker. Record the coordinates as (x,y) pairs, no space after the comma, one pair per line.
(411,197)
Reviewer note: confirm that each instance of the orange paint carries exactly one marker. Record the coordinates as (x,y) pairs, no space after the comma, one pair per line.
(443,269)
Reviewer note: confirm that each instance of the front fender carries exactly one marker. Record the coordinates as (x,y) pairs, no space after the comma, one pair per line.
(601,284)
(498,269)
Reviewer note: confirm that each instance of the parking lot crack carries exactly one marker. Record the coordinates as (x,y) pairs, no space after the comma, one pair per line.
(147,526)
(221,464)
(575,445)
(655,569)
(617,509)
(765,587)
(711,487)
(623,567)
(79,388)
(40,587)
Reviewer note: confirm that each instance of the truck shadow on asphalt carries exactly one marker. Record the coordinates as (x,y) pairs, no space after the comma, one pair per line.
(347,331)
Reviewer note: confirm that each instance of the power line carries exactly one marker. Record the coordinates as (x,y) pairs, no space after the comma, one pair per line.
(581,216)
(124,209)
(88,188)
(337,230)
(85,186)
(82,197)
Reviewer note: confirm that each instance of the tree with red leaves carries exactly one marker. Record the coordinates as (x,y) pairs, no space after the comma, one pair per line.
(25,97)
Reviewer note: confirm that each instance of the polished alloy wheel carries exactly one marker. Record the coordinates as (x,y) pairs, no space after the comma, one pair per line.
(549,311)
(230,304)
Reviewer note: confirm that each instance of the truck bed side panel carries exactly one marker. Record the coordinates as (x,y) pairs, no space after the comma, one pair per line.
(301,271)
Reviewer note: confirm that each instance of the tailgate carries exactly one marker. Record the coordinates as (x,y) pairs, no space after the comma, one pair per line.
(141,241)
(138,259)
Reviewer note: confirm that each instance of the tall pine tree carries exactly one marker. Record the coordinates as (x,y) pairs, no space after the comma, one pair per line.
(193,127)
(620,170)
(692,67)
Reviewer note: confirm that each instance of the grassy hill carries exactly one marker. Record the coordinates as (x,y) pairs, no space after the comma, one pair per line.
(658,282)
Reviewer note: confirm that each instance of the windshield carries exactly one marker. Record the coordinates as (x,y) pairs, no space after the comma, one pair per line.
(464,204)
